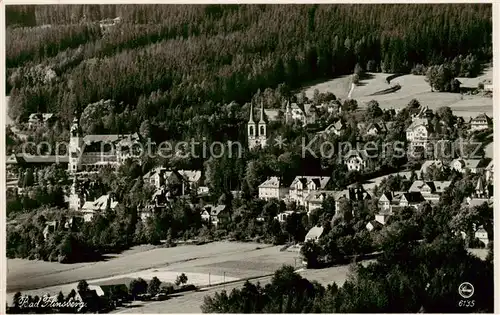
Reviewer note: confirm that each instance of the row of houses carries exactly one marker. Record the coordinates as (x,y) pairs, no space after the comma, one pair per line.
(419,131)
(461,165)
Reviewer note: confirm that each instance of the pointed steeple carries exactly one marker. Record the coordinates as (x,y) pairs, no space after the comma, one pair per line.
(480,186)
(251,114)
(261,113)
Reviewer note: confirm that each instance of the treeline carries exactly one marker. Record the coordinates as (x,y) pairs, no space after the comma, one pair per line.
(409,278)
(225,53)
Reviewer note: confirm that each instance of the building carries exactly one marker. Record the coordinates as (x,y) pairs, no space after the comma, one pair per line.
(358,160)
(315,199)
(351,195)
(314,234)
(430,190)
(474,165)
(257,132)
(281,217)
(40,120)
(28,160)
(373,225)
(216,215)
(99,205)
(411,199)
(302,186)
(179,182)
(418,133)
(92,152)
(434,163)
(372,128)
(50,227)
(273,188)
(480,122)
(306,113)
(335,129)
(488,172)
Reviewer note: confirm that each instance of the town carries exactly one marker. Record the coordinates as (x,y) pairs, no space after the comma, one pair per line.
(385,167)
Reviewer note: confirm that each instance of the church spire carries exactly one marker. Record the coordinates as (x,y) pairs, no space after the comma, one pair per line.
(251,114)
(261,112)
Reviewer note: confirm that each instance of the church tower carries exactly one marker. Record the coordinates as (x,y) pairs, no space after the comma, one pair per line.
(288,113)
(262,127)
(75,145)
(251,130)
(75,201)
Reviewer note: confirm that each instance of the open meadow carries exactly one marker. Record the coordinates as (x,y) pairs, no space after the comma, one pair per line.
(412,86)
(222,260)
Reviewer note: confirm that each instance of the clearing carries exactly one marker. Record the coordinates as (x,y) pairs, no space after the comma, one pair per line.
(412,86)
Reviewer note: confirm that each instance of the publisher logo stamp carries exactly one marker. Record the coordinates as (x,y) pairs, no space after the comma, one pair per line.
(466,290)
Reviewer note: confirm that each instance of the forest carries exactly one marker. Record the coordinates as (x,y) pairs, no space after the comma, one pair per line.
(166,63)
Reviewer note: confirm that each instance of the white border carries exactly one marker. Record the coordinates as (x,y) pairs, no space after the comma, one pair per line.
(496,100)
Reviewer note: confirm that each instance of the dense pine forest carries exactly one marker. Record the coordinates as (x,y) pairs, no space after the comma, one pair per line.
(175,62)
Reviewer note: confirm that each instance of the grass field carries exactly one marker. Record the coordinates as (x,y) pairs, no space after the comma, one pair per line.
(228,260)
(412,86)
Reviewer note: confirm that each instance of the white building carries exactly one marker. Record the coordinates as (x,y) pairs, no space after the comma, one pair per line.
(257,132)
(92,152)
(305,114)
(281,217)
(302,186)
(481,122)
(358,160)
(314,234)
(474,165)
(273,188)
(101,204)
(418,133)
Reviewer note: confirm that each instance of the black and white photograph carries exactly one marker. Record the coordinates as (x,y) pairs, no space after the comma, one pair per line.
(247,158)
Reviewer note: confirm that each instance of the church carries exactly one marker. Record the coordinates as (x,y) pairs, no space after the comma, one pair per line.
(91,152)
(257,132)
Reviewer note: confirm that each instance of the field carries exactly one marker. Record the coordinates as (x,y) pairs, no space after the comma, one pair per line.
(227,260)
(412,86)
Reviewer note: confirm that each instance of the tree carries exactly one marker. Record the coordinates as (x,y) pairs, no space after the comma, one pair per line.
(181,279)
(82,286)
(145,129)
(310,251)
(16,300)
(154,286)
(138,286)
(373,110)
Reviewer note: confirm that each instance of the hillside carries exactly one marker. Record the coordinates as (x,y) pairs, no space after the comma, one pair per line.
(158,59)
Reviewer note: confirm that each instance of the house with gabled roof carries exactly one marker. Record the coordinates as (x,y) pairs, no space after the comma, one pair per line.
(302,186)
(216,215)
(480,122)
(282,216)
(40,119)
(99,205)
(336,129)
(315,199)
(305,113)
(372,128)
(314,234)
(273,188)
(418,133)
(474,165)
(411,199)
(358,160)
